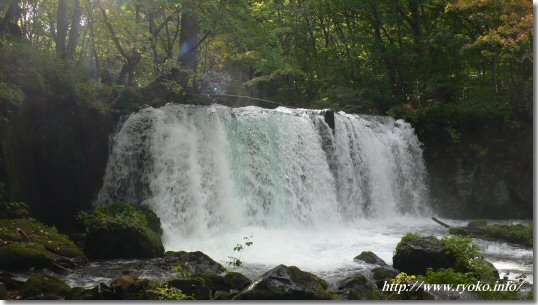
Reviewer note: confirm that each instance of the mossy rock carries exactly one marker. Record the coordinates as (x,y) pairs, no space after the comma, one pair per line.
(38,233)
(286,283)
(19,256)
(45,287)
(118,241)
(194,263)
(121,230)
(370,257)
(382,274)
(357,287)
(415,254)
(230,283)
(516,234)
(3,292)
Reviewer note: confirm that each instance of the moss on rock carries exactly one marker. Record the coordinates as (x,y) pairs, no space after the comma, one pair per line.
(517,234)
(44,286)
(122,230)
(38,233)
(23,256)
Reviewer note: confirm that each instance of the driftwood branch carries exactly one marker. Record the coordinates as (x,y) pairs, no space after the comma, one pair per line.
(441,223)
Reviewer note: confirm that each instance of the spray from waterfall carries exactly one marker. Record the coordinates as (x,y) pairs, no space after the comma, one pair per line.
(207,169)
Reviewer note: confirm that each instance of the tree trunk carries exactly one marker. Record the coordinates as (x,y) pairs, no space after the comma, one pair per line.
(61,30)
(188,39)
(74,31)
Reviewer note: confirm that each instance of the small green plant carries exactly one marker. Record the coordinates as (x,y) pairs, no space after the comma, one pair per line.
(403,277)
(463,249)
(184,273)
(235,259)
(447,276)
(166,292)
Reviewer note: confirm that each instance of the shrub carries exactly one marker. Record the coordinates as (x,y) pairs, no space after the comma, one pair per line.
(447,276)
(166,292)
(462,247)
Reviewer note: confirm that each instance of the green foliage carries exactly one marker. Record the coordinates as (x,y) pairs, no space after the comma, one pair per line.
(447,276)
(166,292)
(462,247)
(403,277)
(12,209)
(117,214)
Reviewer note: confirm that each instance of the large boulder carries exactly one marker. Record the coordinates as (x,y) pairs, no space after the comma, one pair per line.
(415,254)
(45,287)
(121,230)
(201,277)
(28,244)
(286,283)
(117,241)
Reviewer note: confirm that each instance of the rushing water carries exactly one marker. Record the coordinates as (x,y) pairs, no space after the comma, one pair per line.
(308,194)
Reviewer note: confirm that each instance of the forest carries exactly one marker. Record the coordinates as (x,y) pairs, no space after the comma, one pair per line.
(406,58)
(224,149)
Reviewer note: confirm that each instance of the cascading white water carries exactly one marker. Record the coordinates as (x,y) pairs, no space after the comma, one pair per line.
(213,170)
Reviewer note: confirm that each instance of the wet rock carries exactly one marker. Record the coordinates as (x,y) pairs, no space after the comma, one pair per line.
(193,263)
(357,287)
(370,257)
(286,283)
(45,287)
(101,292)
(415,255)
(383,274)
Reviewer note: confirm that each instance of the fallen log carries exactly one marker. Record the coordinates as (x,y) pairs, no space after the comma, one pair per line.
(441,223)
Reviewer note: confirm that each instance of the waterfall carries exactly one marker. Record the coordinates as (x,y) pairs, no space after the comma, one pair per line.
(214,168)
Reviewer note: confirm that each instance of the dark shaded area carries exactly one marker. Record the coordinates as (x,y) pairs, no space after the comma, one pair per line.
(479,167)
